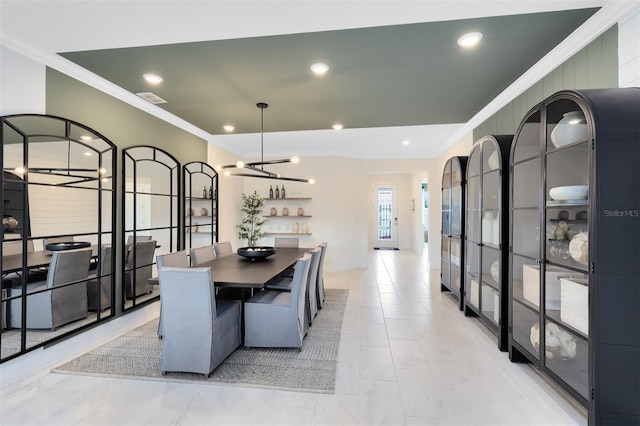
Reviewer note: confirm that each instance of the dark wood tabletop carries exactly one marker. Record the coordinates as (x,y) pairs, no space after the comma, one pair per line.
(35,259)
(236,271)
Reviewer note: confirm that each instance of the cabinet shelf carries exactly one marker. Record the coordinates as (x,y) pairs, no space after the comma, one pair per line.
(288,198)
(287,217)
(288,233)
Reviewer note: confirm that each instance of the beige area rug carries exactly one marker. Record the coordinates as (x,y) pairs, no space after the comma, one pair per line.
(136,355)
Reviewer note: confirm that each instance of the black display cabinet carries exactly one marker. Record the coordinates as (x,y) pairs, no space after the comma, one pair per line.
(486,234)
(575,249)
(452,253)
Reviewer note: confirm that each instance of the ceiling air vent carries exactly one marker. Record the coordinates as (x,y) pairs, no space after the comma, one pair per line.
(151,97)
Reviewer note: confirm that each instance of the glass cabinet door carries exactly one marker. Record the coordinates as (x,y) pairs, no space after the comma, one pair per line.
(525,235)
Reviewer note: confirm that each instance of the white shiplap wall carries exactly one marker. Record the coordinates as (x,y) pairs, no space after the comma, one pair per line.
(629,49)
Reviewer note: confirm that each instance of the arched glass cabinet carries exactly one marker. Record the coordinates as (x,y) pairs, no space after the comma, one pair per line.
(58,195)
(151,219)
(200,204)
(486,236)
(575,224)
(452,253)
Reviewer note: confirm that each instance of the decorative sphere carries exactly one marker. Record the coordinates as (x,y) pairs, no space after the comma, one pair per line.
(495,270)
(579,248)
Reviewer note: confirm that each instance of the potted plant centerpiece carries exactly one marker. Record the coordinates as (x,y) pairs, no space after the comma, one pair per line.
(250,228)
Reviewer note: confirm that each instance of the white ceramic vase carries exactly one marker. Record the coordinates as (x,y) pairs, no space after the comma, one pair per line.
(487,227)
(571,128)
(296,227)
(305,228)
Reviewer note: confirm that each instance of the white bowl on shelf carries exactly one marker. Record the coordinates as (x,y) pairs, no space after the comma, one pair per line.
(571,192)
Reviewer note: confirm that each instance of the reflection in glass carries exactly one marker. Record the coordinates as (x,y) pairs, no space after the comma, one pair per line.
(526,329)
(526,233)
(60,191)
(151,211)
(527,143)
(526,184)
(201,196)
(567,355)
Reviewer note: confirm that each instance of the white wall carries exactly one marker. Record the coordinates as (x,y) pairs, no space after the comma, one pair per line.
(629,49)
(22,84)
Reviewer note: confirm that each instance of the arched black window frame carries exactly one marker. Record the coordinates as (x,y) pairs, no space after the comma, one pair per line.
(69,127)
(191,193)
(174,221)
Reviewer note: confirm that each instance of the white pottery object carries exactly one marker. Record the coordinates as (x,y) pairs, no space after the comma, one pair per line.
(571,192)
(571,128)
(495,271)
(487,227)
(494,161)
(296,227)
(10,223)
(579,248)
(273,211)
(285,211)
(305,228)
(300,211)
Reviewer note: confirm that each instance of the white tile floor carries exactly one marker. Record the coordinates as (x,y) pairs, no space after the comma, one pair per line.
(407,356)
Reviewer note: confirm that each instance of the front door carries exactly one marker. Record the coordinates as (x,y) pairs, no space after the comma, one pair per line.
(385,217)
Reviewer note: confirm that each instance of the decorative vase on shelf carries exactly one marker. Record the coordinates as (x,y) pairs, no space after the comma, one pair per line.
(203,212)
(273,211)
(300,211)
(296,227)
(204,192)
(495,271)
(285,211)
(487,227)
(305,228)
(579,248)
(571,128)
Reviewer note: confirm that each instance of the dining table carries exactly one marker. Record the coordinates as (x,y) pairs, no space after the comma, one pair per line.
(235,271)
(35,259)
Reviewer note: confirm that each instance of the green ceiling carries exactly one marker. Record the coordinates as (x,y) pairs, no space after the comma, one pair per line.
(399,75)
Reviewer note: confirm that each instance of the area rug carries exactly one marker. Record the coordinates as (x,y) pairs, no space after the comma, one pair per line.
(136,355)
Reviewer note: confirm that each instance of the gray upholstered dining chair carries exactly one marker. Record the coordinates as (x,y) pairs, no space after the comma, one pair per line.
(320,282)
(200,255)
(286,242)
(223,249)
(276,319)
(15,247)
(177,259)
(199,331)
(142,257)
(139,238)
(99,286)
(60,304)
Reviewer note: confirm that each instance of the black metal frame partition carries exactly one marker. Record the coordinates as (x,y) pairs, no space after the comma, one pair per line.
(54,155)
(199,173)
(133,160)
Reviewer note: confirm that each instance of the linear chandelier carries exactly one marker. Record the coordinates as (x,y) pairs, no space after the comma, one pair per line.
(257,167)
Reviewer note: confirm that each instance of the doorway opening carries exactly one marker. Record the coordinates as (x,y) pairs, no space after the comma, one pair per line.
(385,217)
(425,214)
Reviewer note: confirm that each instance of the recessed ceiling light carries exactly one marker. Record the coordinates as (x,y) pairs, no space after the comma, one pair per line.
(320,68)
(337,126)
(470,39)
(405,143)
(228,128)
(152,78)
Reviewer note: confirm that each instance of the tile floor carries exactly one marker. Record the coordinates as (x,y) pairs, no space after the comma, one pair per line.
(407,357)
